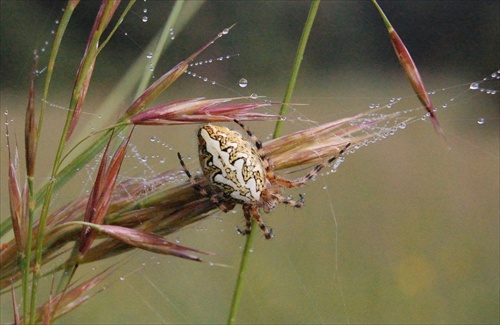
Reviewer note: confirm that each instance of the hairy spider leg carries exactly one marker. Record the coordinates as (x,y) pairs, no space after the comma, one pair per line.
(251,211)
(316,169)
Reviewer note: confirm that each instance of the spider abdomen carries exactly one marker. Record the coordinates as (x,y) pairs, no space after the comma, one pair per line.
(231,164)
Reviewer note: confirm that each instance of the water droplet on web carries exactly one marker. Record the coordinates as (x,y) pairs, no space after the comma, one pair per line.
(254,96)
(149,55)
(480,121)
(444,105)
(153,139)
(243,82)
(225,31)
(145,19)
(372,106)
(145,10)
(122,278)
(474,86)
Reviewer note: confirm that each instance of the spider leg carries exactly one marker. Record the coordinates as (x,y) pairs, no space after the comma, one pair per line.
(248,222)
(258,143)
(215,199)
(252,211)
(278,198)
(302,180)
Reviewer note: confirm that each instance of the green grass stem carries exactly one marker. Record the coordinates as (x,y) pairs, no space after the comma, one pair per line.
(277,132)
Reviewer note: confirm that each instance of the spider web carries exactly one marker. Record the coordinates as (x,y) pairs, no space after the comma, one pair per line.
(399,217)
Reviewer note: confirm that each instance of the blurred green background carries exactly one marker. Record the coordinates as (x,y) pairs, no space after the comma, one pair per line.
(405,232)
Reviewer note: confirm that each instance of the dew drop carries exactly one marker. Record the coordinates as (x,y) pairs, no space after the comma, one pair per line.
(444,105)
(149,55)
(480,121)
(145,19)
(225,31)
(254,96)
(145,10)
(153,139)
(243,82)
(372,106)
(122,278)
(474,86)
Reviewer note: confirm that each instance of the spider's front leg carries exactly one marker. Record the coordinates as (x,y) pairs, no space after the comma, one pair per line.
(251,211)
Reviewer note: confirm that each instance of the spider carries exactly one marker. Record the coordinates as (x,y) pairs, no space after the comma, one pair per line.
(240,173)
